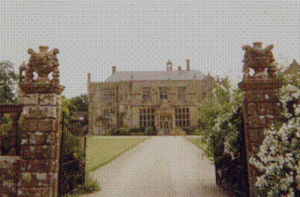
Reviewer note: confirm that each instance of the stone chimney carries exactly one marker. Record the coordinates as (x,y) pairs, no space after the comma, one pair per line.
(169,66)
(179,68)
(188,64)
(114,69)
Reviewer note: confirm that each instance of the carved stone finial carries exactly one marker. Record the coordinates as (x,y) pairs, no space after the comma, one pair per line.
(259,59)
(272,70)
(22,68)
(43,49)
(257,45)
(43,63)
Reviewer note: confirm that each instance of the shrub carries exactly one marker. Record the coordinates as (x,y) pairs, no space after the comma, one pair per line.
(151,131)
(189,131)
(221,127)
(178,131)
(120,131)
(221,120)
(278,158)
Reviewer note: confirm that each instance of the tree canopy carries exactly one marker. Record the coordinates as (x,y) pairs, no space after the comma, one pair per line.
(8,82)
(80,102)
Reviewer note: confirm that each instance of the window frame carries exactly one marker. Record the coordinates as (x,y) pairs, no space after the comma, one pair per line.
(163,93)
(146,94)
(182,117)
(146,117)
(181,91)
(110,94)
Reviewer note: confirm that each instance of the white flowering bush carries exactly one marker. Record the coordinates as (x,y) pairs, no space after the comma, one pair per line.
(221,119)
(278,159)
(221,128)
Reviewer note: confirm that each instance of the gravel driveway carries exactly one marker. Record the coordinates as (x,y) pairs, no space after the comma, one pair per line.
(160,166)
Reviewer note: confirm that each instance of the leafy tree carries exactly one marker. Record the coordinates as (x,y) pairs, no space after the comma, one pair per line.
(8,82)
(65,105)
(221,128)
(215,111)
(80,103)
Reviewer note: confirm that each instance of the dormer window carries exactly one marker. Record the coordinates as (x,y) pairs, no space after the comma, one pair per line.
(181,93)
(163,93)
(146,94)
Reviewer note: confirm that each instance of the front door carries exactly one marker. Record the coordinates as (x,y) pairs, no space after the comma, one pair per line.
(166,123)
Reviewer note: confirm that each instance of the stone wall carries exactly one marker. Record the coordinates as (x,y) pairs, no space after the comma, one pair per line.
(34,171)
(9,172)
(39,144)
(261,104)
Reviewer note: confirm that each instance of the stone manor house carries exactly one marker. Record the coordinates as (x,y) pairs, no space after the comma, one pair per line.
(135,99)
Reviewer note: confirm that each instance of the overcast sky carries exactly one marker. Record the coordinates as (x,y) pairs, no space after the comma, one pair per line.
(92,36)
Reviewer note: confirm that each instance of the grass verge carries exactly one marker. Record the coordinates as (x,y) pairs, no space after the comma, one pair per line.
(197,140)
(102,150)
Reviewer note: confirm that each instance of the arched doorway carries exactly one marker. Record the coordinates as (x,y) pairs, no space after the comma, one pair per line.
(166,123)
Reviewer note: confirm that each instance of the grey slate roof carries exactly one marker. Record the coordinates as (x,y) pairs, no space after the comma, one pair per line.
(155,75)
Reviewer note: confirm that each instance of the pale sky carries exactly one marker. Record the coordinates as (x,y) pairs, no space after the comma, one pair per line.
(142,35)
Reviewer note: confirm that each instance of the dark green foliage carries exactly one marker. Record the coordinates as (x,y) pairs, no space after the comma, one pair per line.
(120,131)
(79,103)
(222,130)
(233,167)
(189,131)
(8,82)
(151,131)
(137,130)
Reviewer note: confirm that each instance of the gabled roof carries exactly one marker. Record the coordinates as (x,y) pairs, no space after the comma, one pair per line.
(155,75)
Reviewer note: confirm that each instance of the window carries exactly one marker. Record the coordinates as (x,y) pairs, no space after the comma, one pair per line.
(181,93)
(163,93)
(146,117)
(182,117)
(146,94)
(110,94)
(109,112)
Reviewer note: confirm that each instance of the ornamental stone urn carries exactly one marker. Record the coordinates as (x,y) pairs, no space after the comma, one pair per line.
(259,59)
(43,63)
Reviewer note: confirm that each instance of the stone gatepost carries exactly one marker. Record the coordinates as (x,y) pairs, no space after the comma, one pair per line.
(40,136)
(261,104)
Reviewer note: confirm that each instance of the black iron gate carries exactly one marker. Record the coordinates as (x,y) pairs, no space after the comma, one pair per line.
(72,157)
(232,174)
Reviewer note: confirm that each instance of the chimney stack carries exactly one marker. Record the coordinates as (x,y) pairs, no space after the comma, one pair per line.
(187,64)
(179,68)
(114,69)
(169,66)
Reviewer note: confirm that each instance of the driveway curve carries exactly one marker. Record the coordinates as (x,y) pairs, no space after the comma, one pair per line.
(159,167)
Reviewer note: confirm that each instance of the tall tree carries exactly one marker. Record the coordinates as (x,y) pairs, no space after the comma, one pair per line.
(80,102)
(8,82)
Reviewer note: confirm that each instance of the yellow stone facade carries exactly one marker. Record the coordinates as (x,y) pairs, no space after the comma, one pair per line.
(164,99)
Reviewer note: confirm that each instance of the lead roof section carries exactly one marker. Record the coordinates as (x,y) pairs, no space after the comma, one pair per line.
(155,75)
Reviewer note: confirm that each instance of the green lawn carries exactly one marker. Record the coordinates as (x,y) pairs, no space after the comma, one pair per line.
(197,140)
(101,150)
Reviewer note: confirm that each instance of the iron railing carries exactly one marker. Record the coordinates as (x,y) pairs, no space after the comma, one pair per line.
(72,157)
(232,174)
